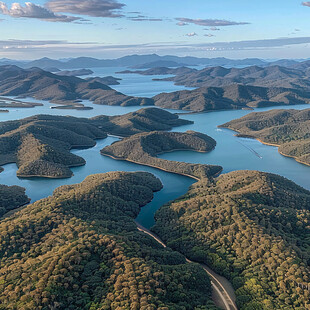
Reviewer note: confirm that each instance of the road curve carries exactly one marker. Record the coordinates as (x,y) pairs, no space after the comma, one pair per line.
(218,286)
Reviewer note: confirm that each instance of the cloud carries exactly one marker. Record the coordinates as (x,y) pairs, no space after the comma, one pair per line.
(24,49)
(191,34)
(209,35)
(142,18)
(31,10)
(209,22)
(182,24)
(95,8)
(306,3)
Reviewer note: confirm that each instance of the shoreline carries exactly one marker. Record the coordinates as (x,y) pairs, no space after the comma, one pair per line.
(281,153)
(152,166)
(269,144)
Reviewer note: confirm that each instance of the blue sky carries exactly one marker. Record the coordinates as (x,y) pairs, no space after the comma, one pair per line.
(110,28)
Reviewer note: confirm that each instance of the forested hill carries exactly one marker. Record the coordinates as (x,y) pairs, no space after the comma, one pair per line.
(44,85)
(289,129)
(80,249)
(11,197)
(253,228)
(271,76)
(143,148)
(234,96)
(227,93)
(40,145)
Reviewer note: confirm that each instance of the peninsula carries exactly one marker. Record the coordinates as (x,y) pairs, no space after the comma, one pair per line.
(40,145)
(287,129)
(143,148)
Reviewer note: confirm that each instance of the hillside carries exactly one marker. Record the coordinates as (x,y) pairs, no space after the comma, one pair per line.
(44,85)
(231,97)
(69,91)
(40,145)
(288,129)
(78,72)
(11,197)
(80,249)
(143,148)
(270,76)
(253,228)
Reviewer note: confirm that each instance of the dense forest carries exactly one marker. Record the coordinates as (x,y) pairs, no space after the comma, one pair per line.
(40,145)
(253,228)
(143,148)
(80,249)
(234,96)
(294,77)
(11,197)
(289,129)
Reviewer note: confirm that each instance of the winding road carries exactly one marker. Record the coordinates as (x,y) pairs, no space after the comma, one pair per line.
(223,293)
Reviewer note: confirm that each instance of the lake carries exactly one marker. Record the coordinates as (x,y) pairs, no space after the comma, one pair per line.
(231,152)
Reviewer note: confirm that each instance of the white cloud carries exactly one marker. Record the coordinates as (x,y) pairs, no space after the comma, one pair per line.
(209,22)
(31,10)
(191,34)
(95,8)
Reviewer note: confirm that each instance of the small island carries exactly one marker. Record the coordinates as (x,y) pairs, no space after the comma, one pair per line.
(287,129)
(143,148)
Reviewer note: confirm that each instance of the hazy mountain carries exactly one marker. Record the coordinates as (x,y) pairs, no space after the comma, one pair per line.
(160,63)
(146,61)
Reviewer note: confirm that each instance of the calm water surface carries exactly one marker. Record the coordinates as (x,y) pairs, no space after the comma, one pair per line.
(232,153)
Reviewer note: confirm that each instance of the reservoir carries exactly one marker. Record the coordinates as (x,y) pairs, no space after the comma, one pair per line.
(231,152)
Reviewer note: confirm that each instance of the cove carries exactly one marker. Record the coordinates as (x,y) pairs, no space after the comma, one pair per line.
(37,188)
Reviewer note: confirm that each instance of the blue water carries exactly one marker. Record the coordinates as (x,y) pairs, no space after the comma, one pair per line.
(37,188)
(231,152)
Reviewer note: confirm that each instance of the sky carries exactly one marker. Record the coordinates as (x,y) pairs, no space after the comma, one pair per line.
(270,29)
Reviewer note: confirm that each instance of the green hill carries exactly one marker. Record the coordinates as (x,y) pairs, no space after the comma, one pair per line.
(11,197)
(80,249)
(288,129)
(40,145)
(143,148)
(253,228)
(233,96)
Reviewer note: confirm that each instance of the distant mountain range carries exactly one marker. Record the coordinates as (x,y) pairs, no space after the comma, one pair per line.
(142,62)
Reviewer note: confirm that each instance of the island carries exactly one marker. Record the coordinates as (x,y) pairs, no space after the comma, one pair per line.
(143,148)
(12,197)
(287,129)
(78,72)
(13,103)
(80,249)
(253,228)
(40,145)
